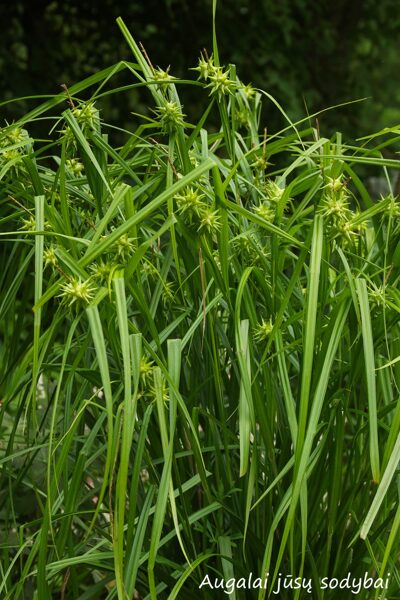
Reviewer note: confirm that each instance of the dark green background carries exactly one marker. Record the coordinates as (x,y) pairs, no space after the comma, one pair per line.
(301,51)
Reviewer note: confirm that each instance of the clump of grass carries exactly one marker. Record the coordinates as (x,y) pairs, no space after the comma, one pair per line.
(208,382)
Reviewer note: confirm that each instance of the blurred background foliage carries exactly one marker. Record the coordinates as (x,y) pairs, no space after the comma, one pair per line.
(309,55)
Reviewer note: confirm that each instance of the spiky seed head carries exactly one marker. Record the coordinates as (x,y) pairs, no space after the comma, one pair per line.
(377,294)
(263,329)
(164,392)
(171,116)
(265,211)
(86,114)
(336,206)
(193,158)
(190,201)
(14,135)
(393,208)
(210,220)
(221,83)
(146,370)
(11,155)
(168,293)
(335,184)
(50,257)
(149,269)
(125,246)
(260,163)
(75,166)
(29,224)
(347,230)
(273,191)
(163,78)
(77,291)
(205,67)
(242,117)
(249,91)
(101,271)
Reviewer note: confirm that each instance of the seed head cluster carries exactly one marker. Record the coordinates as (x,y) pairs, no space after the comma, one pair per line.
(196,211)
(341,221)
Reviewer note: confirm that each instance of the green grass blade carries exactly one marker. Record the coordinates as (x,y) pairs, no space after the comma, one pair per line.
(369,359)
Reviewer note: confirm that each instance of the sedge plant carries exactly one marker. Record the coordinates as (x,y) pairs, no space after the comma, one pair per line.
(199,361)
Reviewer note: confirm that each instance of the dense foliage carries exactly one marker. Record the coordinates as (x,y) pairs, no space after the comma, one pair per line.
(208,381)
